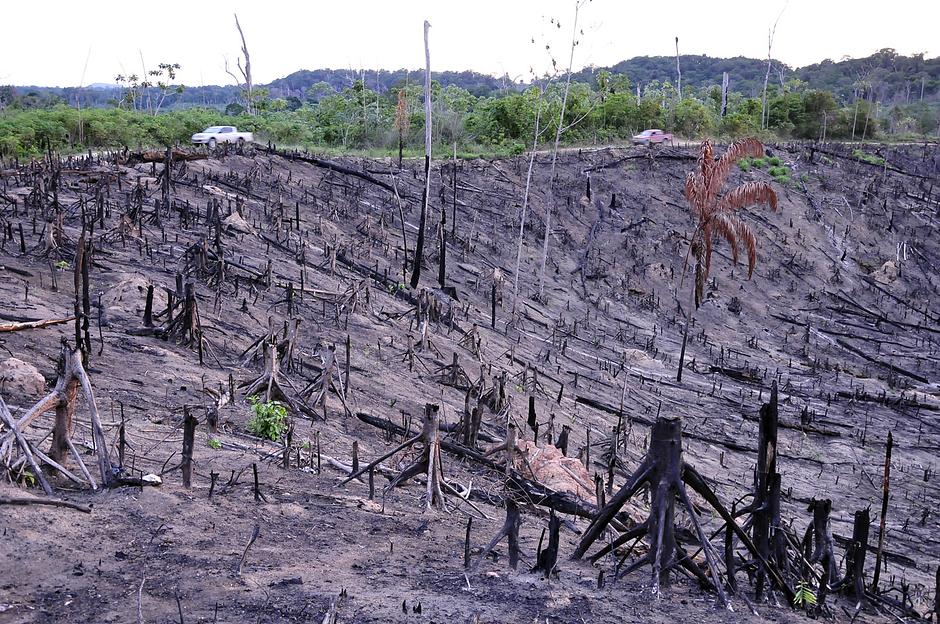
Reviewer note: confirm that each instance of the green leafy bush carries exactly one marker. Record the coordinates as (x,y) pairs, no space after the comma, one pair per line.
(744,164)
(759,163)
(871,159)
(774,161)
(214,443)
(269,419)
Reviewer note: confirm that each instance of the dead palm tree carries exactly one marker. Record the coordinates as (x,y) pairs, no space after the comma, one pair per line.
(718,215)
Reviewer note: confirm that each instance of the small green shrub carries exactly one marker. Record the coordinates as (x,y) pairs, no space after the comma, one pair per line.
(774,161)
(744,164)
(214,443)
(269,419)
(871,159)
(804,595)
(62,265)
(759,163)
(778,171)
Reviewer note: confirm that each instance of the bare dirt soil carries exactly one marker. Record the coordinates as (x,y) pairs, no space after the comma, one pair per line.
(842,312)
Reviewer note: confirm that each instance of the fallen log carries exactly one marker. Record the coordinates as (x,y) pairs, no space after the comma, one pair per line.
(12,327)
(35,500)
(326,164)
(154,156)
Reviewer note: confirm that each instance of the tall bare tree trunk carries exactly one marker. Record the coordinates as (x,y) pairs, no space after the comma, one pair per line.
(764,113)
(724,93)
(558,130)
(525,200)
(246,70)
(419,246)
(678,69)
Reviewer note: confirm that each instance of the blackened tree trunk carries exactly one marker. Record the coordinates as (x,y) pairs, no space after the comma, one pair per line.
(853,583)
(819,533)
(189,435)
(547,559)
(885,491)
(419,245)
(765,506)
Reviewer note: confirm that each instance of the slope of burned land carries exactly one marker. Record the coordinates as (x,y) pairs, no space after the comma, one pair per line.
(841,313)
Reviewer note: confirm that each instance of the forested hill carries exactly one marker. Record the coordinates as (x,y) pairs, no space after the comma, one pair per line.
(382,80)
(886,72)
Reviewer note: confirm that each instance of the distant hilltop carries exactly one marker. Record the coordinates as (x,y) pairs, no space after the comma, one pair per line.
(885,76)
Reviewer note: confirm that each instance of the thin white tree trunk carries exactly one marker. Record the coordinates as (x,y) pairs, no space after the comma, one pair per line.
(678,69)
(525,200)
(551,179)
(764,112)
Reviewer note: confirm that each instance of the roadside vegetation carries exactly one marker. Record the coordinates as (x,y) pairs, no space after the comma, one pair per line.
(360,120)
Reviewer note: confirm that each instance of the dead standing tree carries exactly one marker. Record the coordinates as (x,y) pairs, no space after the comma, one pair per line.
(718,216)
(419,245)
(244,71)
(666,475)
(558,130)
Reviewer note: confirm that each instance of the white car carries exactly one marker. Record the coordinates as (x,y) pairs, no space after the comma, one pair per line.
(214,135)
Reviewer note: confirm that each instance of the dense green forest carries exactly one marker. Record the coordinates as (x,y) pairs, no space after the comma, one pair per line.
(882,96)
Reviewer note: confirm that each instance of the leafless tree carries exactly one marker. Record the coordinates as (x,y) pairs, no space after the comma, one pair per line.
(244,71)
(561,124)
(764,113)
(419,245)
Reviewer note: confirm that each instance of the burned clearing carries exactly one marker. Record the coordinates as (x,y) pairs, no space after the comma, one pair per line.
(149,299)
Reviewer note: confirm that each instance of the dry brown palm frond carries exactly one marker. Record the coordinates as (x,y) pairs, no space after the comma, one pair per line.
(735,231)
(742,148)
(748,194)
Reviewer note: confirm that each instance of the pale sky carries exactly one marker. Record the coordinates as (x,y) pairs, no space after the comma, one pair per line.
(50,42)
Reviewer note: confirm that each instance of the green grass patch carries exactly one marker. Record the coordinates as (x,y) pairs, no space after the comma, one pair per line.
(871,159)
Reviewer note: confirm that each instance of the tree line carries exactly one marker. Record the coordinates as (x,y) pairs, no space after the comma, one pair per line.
(601,108)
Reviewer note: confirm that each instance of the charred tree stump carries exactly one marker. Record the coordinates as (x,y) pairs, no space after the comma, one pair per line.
(547,559)
(819,535)
(766,531)
(64,412)
(268,383)
(510,530)
(330,378)
(853,583)
(189,435)
(428,461)
(666,475)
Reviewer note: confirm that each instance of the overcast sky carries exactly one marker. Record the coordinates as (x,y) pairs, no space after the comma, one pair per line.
(67,43)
